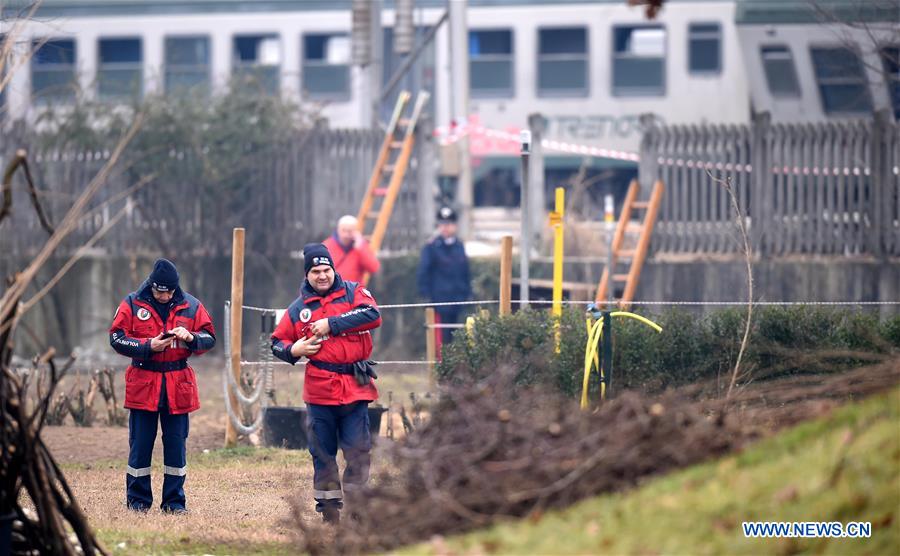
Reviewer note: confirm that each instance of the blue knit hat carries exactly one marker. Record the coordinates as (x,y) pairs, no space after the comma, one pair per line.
(164,277)
(315,254)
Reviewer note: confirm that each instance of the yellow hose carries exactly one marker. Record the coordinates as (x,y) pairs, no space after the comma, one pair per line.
(644,320)
(595,332)
(591,354)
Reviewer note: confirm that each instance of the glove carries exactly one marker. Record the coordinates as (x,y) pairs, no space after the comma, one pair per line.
(363,372)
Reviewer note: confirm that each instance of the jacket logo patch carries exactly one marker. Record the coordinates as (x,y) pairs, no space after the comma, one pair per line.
(305,315)
(143,314)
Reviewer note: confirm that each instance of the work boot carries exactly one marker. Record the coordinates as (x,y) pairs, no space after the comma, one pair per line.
(174,510)
(331,515)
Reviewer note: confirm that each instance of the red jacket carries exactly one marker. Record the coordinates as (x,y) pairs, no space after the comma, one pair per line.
(351,312)
(134,324)
(354,262)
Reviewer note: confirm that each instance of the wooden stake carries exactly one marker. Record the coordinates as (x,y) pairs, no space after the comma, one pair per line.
(430,347)
(237,302)
(506,275)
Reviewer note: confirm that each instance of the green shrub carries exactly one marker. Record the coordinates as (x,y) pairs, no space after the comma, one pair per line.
(691,348)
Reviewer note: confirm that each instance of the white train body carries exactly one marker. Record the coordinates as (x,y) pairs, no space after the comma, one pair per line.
(601,114)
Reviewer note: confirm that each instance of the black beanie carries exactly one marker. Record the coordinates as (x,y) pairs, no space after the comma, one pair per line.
(164,276)
(315,254)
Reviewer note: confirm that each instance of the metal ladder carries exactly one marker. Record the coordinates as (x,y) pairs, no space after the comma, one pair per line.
(634,257)
(390,168)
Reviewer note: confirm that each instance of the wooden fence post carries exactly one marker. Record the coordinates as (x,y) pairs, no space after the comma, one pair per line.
(237,302)
(430,347)
(506,275)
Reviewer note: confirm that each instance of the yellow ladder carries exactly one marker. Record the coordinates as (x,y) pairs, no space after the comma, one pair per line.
(390,168)
(636,256)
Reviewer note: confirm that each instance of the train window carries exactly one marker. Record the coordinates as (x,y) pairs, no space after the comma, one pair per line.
(53,70)
(491,63)
(187,62)
(257,62)
(119,68)
(639,60)
(890,58)
(781,75)
(563,62)
(705,48)
(326,66)
(843,86)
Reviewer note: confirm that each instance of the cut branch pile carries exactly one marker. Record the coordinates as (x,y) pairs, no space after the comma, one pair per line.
(485,455)
(488,453)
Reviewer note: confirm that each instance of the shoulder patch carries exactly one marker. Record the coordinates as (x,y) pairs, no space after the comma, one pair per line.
(305,315)
(143,314)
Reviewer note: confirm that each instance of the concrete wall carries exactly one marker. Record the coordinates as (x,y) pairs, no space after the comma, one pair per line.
(788,279)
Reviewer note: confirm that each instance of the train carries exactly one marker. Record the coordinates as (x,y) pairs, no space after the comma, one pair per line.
(592,69)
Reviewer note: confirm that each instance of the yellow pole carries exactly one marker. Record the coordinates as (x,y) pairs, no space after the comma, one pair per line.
(237,302)
(556,220)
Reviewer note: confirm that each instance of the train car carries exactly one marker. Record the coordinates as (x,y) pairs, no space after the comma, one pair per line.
(821,61)
(590,68)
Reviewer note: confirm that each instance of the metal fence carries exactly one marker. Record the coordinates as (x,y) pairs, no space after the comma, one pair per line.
(289,194)
(817,189)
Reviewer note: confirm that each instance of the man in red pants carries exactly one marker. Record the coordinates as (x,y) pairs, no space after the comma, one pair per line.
(329,324)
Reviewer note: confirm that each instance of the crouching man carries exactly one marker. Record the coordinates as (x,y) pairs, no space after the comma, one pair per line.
(159,326)
(329,324)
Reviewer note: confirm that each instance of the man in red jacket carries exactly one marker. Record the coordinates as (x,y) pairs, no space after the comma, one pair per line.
(329,324)
(159,326)
(352,256)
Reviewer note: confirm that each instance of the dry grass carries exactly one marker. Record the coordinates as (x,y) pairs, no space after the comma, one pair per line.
(239,499)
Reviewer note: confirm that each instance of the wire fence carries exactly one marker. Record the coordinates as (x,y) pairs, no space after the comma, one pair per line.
(271,311)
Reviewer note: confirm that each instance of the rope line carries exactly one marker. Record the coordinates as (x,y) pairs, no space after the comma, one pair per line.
(285,364)
(570,302)
(229,385)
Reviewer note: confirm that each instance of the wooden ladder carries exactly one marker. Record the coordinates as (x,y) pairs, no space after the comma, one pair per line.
(390,168)
(636,256)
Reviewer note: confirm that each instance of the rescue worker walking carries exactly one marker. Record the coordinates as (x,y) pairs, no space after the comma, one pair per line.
(329,324)
(159,326)
(350,251)
(443,274)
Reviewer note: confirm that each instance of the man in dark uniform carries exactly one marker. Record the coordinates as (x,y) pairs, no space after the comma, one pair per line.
(443,273)
(159,326)
(329,324)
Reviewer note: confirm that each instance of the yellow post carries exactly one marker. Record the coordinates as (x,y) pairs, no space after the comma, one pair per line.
(556,221)
(237,302)
(430,347)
